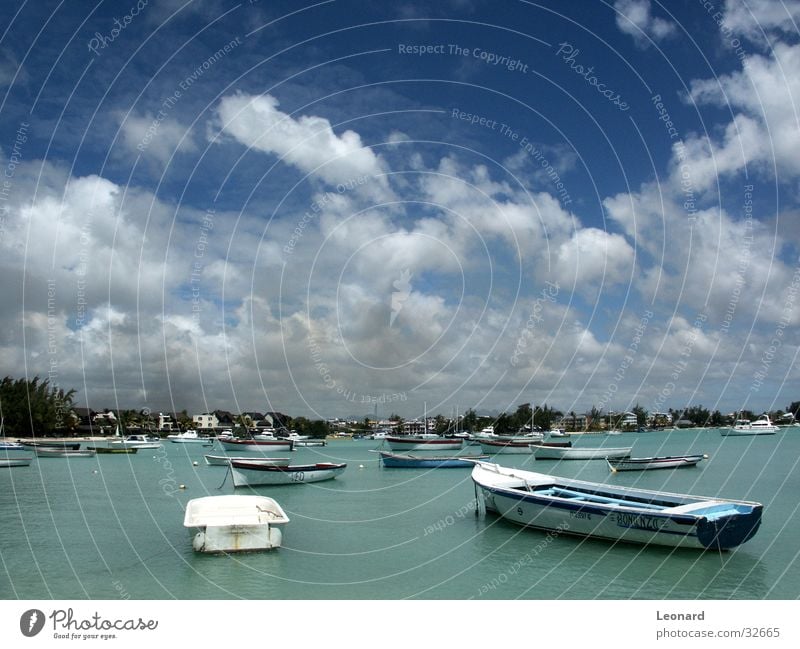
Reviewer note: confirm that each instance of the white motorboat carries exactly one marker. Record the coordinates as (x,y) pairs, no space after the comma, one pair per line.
(761,426)
(235,523)
(136,441)
(190,437)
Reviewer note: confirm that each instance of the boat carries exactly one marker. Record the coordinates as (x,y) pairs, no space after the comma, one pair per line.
(250,473)
(190,437)
(260,445)
(235,523)
(225,460)
(136,441)
(11,446)
(506,447)
(423,442)
(70,446)
(7,461)
(761,426)
(402,461)
(588,509)
(646,463)
(309,442)
(119,450)
(63,452)
(543,452)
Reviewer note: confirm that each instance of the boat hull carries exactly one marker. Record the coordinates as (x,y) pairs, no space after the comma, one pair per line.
(110,450)
(398,461)
(235,523)
(422,444)
(59,452)
(541,452)
(574,507)
(252,474)
(8,462)
(225,460)
(650,463)
(746,432)
(260,446)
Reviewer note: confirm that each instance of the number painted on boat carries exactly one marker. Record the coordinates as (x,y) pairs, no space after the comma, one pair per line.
(298,476)
(640,522)
(584,515)
(519,511)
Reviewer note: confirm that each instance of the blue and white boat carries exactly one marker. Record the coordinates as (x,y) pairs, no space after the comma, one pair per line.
(403,461)
(613,513)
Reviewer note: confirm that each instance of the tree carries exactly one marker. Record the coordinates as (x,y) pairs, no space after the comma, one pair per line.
(641,415)
(469,421)
(33,407)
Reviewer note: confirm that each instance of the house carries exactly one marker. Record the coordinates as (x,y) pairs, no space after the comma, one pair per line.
(206,421)
(166,422)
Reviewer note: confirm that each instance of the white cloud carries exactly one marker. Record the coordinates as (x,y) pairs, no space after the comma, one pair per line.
(756,17)
(157,138)
(307,142)
(634,18)
(593,260)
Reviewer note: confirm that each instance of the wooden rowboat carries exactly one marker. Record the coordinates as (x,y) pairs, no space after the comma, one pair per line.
(567,506)
(248,473)
(402,461)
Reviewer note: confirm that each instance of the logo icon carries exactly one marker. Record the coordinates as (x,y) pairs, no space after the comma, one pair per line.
(400,294)
(31,622)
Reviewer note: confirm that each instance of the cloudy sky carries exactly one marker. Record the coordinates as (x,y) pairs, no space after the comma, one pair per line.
(317,207)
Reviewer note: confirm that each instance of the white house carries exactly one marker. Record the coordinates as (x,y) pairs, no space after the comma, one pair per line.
(205,421)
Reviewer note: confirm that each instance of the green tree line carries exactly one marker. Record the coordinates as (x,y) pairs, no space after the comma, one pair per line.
(33,407)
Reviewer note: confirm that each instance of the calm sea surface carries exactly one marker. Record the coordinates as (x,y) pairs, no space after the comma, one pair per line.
(112,526)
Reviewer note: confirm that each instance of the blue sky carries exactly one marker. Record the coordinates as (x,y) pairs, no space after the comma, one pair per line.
(314,208)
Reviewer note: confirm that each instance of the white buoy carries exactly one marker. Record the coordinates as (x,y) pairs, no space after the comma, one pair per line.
(183,486)
(194,463)
(360,466)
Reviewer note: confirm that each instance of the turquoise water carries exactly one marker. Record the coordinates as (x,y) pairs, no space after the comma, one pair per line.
(112,526)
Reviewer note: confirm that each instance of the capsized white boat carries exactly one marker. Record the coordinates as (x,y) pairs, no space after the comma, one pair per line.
(235,523)
(614,513)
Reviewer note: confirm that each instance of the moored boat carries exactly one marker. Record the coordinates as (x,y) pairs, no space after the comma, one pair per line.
(70,446)
(511,447)
(247,473)
(11,446)
(235,523)
(63,452)
(542,452)
(647,463)
(190,437)
(614,513)
(403,461)
(259,445)
(110,450)
(8,461)
(225,460)
(136,441)
(423,443)
(742,427)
